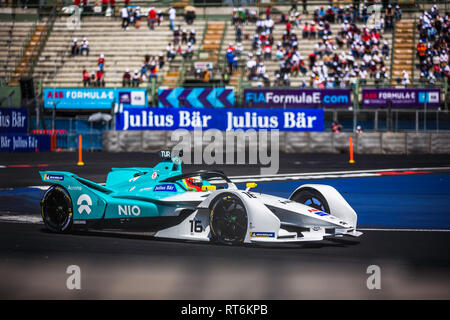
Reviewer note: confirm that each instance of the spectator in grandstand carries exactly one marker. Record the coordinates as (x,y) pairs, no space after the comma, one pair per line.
(104,5)
(385,50)
(151,18)
(161,61)
(405,80)
(93,81)
(137,17)
(143,72)
(126,78)
(172,16)
(225,77)
(125,16)
(192,39)
(159,17)
(153,71)
(189,52)
(75,47)
(397,13)
(184,36)
(238,32)
(170,52)
(359,129)
(336,127)
(84,46)
(101,62)
(389,17)
(135,79)
(230,60)
(176,36)
(206,75)
(86,78)
(190,17)
(234,16)
(99,76)
(293,6)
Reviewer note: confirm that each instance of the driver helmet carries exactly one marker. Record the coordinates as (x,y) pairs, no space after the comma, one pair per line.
(193,183)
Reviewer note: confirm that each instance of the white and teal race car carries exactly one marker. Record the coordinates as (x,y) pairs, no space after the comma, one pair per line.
(201,206)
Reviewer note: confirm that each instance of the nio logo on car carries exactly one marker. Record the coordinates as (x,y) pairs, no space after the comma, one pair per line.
(128,210)
(165,187)
(84,207)
(55,177)
(263,234)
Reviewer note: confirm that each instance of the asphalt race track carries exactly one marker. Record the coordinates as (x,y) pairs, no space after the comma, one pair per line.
(405,215)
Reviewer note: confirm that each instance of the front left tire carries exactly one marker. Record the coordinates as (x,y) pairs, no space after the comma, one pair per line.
(228,219)
(57,209)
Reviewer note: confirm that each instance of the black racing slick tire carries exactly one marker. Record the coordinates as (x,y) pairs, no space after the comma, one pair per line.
(57,209)
(312,198)
(228,219)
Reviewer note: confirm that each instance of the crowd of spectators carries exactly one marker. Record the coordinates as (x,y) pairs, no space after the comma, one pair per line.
(96,78)
(149,70)
(433,46)
(357,50)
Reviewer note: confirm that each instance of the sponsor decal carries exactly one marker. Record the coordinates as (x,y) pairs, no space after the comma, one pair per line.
(223,119)
(53,177)
(154,175)
(128,210)
(297,98)
(84,203)
(402,98)
(138,98)
(125,97)
(262,234)
(318,212)
(165,187)
(75,188)
(101,98)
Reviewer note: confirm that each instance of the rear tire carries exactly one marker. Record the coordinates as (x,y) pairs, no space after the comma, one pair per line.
(228,219)
(312,198)
(57,209)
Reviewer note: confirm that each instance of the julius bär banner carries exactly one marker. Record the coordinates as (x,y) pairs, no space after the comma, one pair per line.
(222,119)
(13,120)
(402,98)
(297,98)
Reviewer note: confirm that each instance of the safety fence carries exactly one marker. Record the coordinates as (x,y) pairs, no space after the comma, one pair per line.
(66,132)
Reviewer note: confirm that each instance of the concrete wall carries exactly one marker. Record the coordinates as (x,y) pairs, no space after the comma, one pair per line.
(299,142)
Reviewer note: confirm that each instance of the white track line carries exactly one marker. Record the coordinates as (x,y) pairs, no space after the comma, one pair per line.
(340,172)
(32,219)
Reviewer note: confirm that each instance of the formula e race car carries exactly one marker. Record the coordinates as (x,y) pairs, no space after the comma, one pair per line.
(202,206)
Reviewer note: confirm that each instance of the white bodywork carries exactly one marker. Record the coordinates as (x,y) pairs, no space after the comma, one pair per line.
(268,216)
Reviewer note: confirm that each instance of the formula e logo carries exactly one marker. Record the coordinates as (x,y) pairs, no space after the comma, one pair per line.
(84,198)
(128,210)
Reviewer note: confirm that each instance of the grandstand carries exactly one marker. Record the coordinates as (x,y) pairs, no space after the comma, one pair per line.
(37,44)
